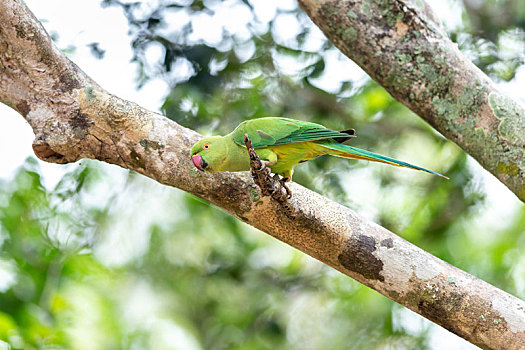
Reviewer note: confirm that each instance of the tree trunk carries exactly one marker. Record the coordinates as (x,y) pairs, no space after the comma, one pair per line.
(73,118)
(401,46)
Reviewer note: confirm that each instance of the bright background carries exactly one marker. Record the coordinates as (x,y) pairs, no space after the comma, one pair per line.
(94,256)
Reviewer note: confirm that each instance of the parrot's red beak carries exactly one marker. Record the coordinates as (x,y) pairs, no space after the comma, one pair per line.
(199,162)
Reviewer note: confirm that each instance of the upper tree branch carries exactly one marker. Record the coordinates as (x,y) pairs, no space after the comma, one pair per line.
(399,44)
(73,118)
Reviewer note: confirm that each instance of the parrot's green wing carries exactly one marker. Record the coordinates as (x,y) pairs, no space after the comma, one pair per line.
(271,131)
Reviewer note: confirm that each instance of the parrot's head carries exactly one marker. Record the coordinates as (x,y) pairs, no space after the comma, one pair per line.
(209,153)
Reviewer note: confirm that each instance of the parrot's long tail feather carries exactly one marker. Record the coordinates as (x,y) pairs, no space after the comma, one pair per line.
(346,151)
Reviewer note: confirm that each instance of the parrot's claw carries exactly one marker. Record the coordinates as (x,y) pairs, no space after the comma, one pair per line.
(283,182)
(265,164)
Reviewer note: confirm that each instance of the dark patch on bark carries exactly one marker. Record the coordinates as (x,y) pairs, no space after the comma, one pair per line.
(80,121)
(67,83)
(23,108)
(437,305)
(152,145)
(389,243)
(136,160)
(20,31)
(80,125)
(357,256)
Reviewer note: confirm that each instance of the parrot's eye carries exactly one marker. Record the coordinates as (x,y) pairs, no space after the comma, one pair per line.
(206,146)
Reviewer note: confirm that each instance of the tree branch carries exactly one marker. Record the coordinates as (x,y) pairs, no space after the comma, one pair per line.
(74,118)
(401,46)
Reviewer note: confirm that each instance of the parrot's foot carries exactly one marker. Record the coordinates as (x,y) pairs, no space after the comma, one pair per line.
(271,186)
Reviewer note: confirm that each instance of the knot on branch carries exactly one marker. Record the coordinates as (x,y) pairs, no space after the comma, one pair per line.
(44,152)
(271,186)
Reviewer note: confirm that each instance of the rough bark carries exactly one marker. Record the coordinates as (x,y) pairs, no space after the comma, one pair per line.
(401,46)
(73,118)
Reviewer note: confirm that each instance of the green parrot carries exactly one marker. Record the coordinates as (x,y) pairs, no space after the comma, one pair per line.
(281,144)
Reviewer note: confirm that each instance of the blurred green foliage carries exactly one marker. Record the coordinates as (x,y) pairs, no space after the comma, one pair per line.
(493,36)
(108,259)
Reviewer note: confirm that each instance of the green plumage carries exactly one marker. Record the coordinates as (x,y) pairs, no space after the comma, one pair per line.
(267,132)
(282,143)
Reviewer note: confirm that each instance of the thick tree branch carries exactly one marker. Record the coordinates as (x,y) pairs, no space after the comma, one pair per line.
(401,46)
(73,118)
